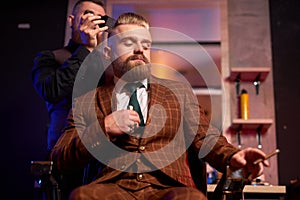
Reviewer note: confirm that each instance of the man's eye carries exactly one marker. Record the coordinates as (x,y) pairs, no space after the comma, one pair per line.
(128,43)
(146,45)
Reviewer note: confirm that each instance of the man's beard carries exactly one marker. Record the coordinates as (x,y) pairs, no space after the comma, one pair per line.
(131,71)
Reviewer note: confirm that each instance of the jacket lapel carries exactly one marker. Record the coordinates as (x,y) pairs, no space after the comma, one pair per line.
(105,99)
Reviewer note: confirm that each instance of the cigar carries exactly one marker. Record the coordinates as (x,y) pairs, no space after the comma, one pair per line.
(276,151)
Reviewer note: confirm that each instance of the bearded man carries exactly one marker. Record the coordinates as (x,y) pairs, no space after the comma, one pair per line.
(143,146)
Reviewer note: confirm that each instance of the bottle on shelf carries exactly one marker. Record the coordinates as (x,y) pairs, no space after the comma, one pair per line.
(244,104)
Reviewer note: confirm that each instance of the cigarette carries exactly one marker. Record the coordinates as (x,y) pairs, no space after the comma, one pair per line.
(266,157)
(130,107)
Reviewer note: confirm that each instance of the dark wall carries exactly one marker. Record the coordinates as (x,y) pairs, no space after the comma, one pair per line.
(285,28)
(23,115)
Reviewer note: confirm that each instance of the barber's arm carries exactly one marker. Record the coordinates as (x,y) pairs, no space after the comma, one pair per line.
(54,81)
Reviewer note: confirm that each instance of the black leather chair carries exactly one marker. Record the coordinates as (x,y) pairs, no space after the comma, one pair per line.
(49,184)
(46,185)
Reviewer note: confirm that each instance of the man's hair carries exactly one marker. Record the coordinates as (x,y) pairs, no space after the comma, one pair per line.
(132,18)
(78,3)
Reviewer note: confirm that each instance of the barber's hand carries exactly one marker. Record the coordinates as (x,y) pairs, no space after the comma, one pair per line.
(120,122)
(245,158)
(90,32)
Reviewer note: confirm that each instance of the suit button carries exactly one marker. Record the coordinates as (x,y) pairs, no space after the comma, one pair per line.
(140,177)
(122,167)
(142,148)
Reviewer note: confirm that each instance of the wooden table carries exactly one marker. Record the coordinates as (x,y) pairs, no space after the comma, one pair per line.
(258,191)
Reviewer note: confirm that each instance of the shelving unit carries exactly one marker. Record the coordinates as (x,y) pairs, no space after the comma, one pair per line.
(251,124)
(249,73)
(257,75)
(246,64)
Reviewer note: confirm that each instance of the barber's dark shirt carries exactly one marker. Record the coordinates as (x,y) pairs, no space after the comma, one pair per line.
(54,80)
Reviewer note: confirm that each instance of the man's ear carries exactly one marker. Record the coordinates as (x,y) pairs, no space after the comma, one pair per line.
(107,52)
(71,20)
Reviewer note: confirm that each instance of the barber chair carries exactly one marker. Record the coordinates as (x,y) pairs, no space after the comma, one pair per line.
(51,185)
(45,184)
(48,183)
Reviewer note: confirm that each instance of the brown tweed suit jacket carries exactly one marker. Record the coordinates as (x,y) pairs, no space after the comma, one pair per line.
(175,121)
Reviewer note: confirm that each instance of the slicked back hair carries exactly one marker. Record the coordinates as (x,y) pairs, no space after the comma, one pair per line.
(78,3)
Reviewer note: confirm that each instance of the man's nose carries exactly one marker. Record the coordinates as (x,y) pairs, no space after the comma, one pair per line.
(138,48)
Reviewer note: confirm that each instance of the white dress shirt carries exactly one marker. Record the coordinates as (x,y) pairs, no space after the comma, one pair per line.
(123,97)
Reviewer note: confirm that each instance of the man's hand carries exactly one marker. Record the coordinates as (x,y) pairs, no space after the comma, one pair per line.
(120,122)
(245,159)
(90,31)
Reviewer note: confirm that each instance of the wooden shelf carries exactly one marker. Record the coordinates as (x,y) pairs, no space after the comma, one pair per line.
(249,73)
(273,189)
(251,124)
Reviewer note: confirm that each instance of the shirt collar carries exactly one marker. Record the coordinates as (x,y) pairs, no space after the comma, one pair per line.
(120,83)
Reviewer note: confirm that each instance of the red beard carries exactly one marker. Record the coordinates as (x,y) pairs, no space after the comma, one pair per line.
(136,67)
